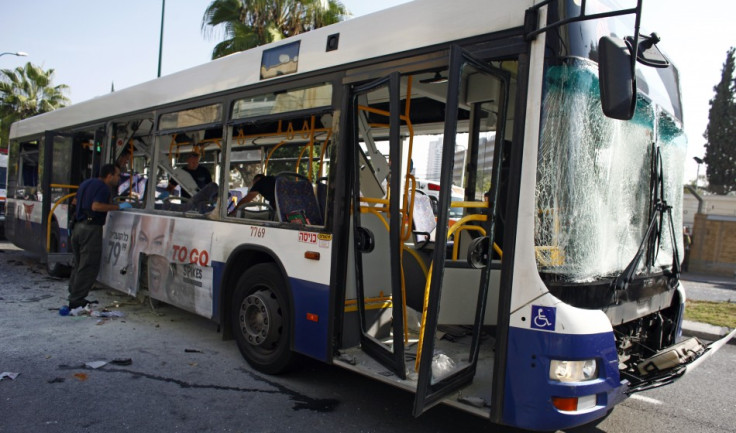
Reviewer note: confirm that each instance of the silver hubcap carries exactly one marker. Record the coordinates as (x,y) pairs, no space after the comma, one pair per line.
(260,320)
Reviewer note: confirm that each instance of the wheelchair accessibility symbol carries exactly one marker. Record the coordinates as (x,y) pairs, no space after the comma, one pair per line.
(543,317)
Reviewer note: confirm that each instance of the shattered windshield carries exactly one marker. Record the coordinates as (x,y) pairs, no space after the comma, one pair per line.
(594,179)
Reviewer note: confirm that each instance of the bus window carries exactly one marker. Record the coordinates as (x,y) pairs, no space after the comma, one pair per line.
(131,151)
(86,157)
(28,174)
(188,162)
(287,148)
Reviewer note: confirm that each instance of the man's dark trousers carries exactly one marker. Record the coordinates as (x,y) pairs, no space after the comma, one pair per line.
(87,250)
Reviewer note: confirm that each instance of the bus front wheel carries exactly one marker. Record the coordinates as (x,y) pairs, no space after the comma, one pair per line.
(260,319)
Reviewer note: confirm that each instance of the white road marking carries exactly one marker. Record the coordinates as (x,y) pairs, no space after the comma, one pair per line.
(645,399)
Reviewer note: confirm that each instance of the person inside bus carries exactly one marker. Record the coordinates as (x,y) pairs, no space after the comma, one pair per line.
(126,177)
(200,174)
(123,160)
(263,185)
(93,203)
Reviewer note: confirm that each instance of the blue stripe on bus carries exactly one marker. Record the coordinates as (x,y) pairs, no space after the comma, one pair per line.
(218,270)
(528,390)
(310,336)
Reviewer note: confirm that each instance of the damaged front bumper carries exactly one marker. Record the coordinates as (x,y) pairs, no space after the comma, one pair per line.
(671,363)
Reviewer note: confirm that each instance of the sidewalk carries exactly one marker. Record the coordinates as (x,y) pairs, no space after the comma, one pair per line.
(715,280)
(705,331)
(704,287)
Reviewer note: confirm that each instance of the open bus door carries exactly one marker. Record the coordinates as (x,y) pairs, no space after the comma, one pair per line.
(69,158)
(377,229)
(472,85)
(57,151)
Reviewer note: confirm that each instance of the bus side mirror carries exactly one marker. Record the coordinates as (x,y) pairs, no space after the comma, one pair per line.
(616,77)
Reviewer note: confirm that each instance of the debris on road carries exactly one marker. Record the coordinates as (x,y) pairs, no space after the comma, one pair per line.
(107,313)
(95,364)
(9,375)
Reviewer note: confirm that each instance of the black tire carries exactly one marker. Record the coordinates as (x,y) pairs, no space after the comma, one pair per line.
(261,319)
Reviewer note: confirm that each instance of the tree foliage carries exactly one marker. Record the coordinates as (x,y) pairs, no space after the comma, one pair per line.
(250,23)
(720,148)
(25,92)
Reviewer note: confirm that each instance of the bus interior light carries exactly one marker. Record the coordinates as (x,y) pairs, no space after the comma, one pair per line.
(573,371)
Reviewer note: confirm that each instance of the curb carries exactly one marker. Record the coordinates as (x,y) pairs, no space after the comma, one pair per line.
(705,331)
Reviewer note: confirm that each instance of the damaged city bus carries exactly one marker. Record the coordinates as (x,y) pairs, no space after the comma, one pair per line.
(541,299)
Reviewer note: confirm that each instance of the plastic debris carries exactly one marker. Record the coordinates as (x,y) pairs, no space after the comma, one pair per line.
(95,364)
(9,375)
(64,310)
(106,313)
(79,311)
(474,401)
(442,366)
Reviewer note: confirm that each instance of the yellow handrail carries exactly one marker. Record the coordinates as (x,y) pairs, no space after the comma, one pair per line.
(423,325)
(460,225)
(456,245)
(376,303)
(51,214)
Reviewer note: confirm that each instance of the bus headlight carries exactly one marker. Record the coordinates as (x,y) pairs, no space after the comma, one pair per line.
(573,371)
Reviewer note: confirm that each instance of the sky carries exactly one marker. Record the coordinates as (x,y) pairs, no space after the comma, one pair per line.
(95,44)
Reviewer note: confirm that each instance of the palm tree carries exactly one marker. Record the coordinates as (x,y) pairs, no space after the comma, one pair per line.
(25,92)
(250,23)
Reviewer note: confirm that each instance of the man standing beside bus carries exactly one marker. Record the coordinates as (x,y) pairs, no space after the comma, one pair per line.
(93,203)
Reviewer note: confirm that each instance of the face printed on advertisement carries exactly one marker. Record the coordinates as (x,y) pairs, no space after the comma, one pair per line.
(151,238)
(159,276)
(152,235)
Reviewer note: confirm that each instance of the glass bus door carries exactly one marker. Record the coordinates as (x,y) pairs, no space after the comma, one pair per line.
(55,187)
(464,272)
(377,222)
(70,159)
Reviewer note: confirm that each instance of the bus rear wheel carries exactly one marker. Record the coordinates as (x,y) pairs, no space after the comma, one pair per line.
(261,320)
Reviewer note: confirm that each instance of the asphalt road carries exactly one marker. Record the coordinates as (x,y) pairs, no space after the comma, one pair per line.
(184,378)
(703,287)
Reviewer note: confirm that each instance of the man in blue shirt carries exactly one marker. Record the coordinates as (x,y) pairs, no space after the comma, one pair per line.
(93,203)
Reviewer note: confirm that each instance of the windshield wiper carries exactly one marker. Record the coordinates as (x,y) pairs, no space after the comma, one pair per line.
(621,284)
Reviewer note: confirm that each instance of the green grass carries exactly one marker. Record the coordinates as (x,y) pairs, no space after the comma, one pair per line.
(714,313)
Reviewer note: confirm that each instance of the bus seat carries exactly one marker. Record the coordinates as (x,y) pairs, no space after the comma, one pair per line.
(256,211)
(423,220)
(233,197)
(140,187)
(201,201)
(295,196)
